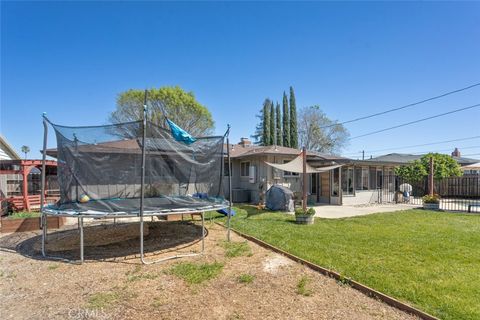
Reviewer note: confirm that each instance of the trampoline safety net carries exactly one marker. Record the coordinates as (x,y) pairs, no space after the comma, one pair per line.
(100,170)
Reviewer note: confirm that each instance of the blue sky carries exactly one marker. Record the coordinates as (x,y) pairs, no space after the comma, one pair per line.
(71,59)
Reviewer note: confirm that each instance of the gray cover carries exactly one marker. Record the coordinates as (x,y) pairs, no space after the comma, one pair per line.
(280,198)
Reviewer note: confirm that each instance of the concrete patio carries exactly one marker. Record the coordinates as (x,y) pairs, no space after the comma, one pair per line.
(335,212)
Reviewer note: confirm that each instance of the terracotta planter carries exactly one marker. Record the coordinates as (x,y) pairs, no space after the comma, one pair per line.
(304,219)
(431,206)
(29,224)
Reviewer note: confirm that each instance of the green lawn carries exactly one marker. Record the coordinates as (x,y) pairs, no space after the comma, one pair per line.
(428,259)
(23,215)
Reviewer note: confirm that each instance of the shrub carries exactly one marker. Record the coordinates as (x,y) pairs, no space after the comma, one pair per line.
(431,199)
(301,212)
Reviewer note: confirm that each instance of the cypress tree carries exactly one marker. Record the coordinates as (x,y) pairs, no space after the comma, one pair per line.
(293,121)
(286,121)
(272,123)
(278,131)
(266,123)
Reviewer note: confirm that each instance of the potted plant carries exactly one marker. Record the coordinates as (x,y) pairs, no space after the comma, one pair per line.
(304,216)
(431,202)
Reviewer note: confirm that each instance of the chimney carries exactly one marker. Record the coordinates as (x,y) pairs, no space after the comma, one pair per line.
(245,142)
(456,153)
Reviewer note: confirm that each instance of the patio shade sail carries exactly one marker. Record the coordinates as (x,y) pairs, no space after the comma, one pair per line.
(296,165)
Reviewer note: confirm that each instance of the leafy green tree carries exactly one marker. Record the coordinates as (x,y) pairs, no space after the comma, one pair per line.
(266,122)
(316,133)
(272,123)
(412,172)
(278,128)
(25,150)
(293,121)
(180,106)
(286,121)
(444,166)
(258,135)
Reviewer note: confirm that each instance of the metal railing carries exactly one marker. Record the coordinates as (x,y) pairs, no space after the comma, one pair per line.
(456,193)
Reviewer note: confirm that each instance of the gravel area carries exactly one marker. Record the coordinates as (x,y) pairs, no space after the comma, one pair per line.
(113,285)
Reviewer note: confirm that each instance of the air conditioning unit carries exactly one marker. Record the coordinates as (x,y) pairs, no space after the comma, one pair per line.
(240,195)
(251,174)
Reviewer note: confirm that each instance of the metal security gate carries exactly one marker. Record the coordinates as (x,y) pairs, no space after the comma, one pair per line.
(456,193)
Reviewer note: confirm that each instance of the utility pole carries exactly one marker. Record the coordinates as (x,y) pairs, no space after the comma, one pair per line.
(363,154)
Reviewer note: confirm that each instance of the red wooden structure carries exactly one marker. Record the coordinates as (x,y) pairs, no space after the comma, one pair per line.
(24,167)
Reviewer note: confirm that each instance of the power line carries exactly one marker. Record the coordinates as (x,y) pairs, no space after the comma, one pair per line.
(402,107)
(416,121)
(416,145)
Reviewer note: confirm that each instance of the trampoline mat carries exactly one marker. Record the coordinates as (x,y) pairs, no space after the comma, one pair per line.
(157,205)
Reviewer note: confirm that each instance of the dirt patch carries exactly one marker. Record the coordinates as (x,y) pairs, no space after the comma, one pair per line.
(275,262)
(32,288)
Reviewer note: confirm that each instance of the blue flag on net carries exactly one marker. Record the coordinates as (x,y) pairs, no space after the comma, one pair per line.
(179,134)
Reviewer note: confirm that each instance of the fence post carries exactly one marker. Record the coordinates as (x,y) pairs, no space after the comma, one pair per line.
(430,178)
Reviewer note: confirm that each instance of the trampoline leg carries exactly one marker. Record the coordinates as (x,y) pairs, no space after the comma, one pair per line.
(81,239)
(203,232)
(141,240)
(44,233)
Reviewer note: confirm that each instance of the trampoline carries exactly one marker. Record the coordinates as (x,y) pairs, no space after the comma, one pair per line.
(135,169)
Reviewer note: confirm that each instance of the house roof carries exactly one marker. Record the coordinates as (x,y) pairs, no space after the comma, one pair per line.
(239,151)
(404,158)
(6,150)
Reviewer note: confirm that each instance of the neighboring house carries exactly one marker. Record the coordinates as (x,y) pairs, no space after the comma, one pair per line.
(252,177)
(20,179)
(6,150)
(7,153)
(471,169)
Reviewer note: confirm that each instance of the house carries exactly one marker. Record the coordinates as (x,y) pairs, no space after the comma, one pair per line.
(252,177)
(355,182)
(20,179)
(6,150)
(471,169)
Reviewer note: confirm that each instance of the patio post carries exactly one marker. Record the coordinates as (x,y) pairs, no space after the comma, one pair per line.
(304,194)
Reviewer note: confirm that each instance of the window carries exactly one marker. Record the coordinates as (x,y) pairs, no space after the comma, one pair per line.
(347,180)
(244,168)
(379,178)
(361,178)
(288,173)
(365,178)
(373,178)
(335,182)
